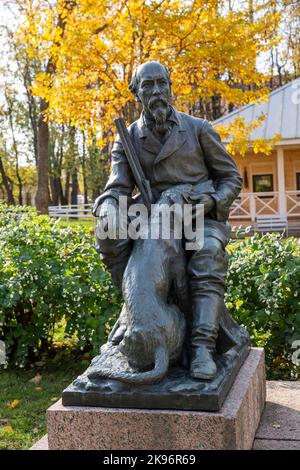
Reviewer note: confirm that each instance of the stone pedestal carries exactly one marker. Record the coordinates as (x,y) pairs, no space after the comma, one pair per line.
(233,427)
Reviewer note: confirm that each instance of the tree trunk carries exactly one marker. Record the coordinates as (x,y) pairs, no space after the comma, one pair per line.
(83,165)
(32,109)
(54,191)
(85,191)
(67,187)
(216,106)
(42,194)
(7,183)
(74,192)
(20,186)
(2,191)
(10,103)
(61,196)
(58,191)
(28,198)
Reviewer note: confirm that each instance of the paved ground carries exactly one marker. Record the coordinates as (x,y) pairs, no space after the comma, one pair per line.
(280,424)
(279,428)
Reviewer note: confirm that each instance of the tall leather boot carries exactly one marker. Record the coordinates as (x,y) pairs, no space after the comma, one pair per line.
(205,327)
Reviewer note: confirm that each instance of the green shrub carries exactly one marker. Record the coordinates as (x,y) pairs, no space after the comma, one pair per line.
(50,275)
(263,294)
(51,279)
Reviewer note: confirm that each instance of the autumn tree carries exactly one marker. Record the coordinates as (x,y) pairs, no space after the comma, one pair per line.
(285,56)
(209,48)
(24,72)
(85,54)
(15,153)
(16,185)
(18,112)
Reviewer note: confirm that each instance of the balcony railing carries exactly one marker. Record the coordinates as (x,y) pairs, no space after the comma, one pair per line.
(250,205)
(292,203)
(246,207)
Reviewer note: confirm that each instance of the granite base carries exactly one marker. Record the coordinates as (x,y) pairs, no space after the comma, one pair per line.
(233,427)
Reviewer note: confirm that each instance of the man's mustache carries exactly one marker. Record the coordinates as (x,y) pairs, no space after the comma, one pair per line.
(157,100)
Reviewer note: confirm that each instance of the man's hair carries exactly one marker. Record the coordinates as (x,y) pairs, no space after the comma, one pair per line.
(134,84)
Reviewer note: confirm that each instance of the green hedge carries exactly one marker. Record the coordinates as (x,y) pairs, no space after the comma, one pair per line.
(50,275)
(263,294)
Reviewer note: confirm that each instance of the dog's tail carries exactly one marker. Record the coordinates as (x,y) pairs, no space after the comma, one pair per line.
(155,375)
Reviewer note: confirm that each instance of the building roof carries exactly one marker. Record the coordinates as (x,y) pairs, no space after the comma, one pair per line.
(282,111)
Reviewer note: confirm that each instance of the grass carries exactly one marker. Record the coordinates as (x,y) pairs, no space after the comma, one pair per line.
(88,223)
(23,403)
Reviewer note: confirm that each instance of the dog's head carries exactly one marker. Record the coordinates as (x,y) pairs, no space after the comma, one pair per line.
(139,348)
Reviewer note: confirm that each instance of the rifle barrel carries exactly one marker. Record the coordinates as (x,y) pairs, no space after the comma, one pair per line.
(134,163)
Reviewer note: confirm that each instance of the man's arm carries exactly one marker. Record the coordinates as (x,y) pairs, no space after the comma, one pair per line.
(222,170)
(120,182)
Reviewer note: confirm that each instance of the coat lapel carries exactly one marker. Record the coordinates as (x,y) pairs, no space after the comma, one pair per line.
(151,144)
(148,141)
(175,141)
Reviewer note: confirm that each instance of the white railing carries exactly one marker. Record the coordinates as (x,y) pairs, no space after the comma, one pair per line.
(250,205)
(293,203)
(76,211)
(247,206)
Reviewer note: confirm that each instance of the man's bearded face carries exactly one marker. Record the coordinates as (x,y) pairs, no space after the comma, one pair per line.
(154,92)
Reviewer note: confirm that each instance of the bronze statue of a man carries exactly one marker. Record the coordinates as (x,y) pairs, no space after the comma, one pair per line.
(175,148)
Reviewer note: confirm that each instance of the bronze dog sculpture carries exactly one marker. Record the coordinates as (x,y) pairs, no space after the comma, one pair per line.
(151,329)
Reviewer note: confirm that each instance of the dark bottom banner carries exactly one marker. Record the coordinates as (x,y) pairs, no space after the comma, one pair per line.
(134,459)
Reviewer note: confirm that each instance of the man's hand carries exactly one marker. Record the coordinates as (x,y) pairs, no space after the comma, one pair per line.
(175,194)
(96,206)
(206,200)
(107,211)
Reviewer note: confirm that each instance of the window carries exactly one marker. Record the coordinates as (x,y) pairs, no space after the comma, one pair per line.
(298,181)
(262,183)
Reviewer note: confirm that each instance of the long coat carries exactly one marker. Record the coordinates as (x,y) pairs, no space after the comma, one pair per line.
(193,153)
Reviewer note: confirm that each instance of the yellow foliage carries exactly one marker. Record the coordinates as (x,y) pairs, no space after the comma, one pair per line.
(13,404)
(209,51)
(238,133)
(7,429)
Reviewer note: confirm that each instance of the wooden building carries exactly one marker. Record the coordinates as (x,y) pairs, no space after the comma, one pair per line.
(271,184)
